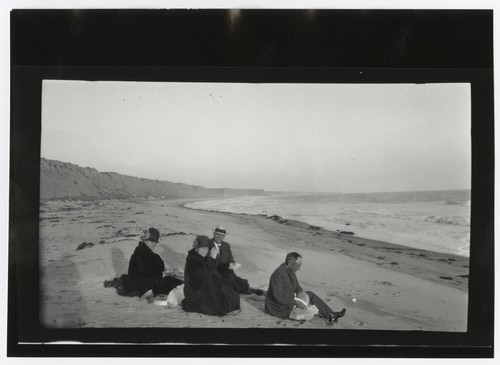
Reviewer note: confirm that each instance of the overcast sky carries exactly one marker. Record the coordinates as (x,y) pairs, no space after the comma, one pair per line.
(288,137)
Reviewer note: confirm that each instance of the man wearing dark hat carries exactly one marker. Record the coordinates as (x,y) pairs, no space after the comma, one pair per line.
(226,264)
(146,270)
(203,288)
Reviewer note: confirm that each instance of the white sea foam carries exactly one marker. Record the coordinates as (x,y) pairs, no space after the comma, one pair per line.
(437,221)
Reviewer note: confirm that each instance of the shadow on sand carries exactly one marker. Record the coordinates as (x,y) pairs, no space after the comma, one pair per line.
(120,263)
(61,301)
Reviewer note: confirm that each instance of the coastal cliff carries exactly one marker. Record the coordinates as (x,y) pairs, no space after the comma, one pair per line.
(64,180)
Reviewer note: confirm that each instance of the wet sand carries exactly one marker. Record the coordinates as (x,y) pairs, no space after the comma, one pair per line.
(394,287)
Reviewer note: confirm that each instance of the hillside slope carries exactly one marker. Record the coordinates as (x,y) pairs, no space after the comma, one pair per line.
(63,180)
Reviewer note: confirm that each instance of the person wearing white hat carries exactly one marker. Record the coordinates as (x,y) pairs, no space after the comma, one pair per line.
(226,264)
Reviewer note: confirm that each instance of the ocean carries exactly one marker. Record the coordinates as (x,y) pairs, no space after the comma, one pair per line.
(431,220)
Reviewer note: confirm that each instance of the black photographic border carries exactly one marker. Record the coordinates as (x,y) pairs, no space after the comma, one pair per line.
(336,46)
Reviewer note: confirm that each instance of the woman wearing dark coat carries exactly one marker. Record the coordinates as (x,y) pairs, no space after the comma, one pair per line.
(203,288)
(145,270)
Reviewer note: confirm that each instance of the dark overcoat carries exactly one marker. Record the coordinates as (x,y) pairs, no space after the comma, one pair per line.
(283,286)
(145,269)
(203,288)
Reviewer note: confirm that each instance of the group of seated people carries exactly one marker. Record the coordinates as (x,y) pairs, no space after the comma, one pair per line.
(210,285)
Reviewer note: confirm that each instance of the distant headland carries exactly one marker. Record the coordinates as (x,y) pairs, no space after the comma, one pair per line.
(67,181)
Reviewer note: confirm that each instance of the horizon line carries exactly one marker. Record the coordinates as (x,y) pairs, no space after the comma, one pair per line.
(262,189)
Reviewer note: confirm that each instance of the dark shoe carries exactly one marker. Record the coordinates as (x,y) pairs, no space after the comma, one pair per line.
(111,283)
(332,318)
(256,291)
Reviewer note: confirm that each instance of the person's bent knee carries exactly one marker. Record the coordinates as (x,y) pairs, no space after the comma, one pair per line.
(311,294)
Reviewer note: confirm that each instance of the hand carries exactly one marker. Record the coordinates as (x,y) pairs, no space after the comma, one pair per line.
(167,272)
(214,252)
(233,266)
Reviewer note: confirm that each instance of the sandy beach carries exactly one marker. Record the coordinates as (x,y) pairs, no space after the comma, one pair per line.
(383,286)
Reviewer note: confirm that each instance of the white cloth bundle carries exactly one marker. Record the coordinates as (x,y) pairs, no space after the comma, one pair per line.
(175,296)
(303,314)
(173,299)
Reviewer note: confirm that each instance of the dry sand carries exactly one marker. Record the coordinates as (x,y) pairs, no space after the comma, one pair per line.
(395,287)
